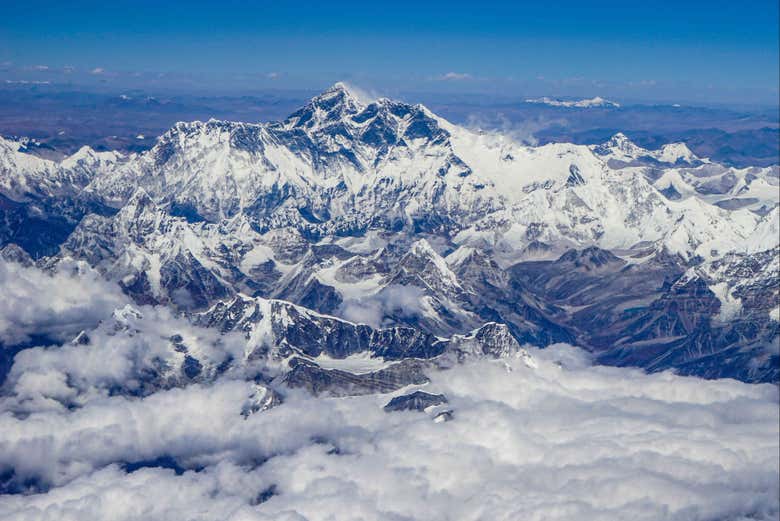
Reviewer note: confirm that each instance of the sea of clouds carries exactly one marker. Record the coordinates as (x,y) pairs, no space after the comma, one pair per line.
(52,305)
(559,439)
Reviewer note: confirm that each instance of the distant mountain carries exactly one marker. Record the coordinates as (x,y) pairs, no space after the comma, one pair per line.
(384,227)
(580,104)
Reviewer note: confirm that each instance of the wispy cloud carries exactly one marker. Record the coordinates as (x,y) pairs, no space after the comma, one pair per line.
(27,82)
(455,76)
(642,83)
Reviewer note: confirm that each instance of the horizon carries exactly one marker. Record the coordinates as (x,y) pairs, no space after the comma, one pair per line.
(408,95)
(59,121)
(702,55)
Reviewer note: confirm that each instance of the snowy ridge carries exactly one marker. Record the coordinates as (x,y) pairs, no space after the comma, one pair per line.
(382,213)
(597,101)
(338,165)
(621,148)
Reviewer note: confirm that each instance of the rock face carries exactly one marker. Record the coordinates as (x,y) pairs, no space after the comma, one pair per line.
(335,382)
(416,401)
(380,229)
(262,399)
(280,329)
(660,316)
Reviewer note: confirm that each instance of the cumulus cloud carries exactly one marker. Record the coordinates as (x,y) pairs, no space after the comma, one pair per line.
(55,305)
(563,440)
(97,70)
(136,352)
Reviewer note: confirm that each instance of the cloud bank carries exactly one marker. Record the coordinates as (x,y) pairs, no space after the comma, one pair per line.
(563,440)
(53,305)
(116,425)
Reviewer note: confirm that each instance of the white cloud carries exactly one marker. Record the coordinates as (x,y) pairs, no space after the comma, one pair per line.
(364,96)
(455,76)
(56,305)
(97,70)
(562,441)
(394,300)
(643,83)
(131,352)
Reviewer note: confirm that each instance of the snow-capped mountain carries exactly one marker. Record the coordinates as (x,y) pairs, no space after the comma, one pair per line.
(730,188)
(23,175)
(620,148)
(385,220)
(338,166)
(585,103)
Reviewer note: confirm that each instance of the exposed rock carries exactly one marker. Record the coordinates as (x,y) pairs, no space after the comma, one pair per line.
(262,399)
(416,401)
(444,416)
(308,375)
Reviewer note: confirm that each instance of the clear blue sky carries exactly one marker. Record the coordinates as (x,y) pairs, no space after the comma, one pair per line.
(688,50)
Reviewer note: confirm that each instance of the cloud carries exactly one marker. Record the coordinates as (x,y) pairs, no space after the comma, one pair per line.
(131,352)
(642,83)
(455,76)
(365,96)
(110,427)
(562,441)
(393,300)
(27,82)
(521,131)
(97,71)
(273,75)
(41,68)
(54,305)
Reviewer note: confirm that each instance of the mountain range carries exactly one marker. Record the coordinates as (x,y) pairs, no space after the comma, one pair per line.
(377,231)
(597,101)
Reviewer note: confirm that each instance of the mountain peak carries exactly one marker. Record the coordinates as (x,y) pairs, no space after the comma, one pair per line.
(339,86)
(340,94)
(621,140)
(140,201)
(677,152)
(620,144)
(355,93)
(595,102)
(333,104)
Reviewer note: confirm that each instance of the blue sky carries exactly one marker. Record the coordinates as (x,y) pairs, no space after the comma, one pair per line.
(667,51)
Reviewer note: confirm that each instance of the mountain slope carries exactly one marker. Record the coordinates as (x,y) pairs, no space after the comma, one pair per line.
(383,213)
